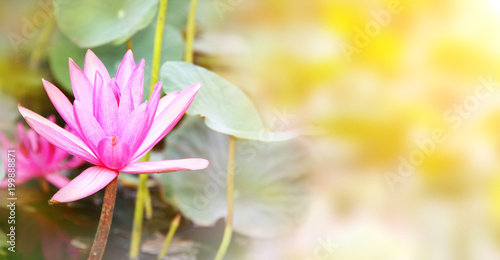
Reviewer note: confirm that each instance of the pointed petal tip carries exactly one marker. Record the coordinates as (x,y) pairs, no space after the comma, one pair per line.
(22,110)
(141,64)
(53,202)
(72,65)
(129,56)
(157,86)
(205,163)
(196,87)
(89,52)
(58,136)
(47,84)
(189,164)
(200,164)
(25,113)
(197,163)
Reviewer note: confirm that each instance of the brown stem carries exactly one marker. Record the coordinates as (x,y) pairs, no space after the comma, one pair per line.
(101,237)
(44,184)
(129,44)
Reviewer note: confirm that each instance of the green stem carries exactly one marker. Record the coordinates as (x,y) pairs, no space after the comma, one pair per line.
(138,218)
(41,44)
(160,26)
(148,206)
(173,227)
(143,191)
(190,31)
(101,236)
(226,239)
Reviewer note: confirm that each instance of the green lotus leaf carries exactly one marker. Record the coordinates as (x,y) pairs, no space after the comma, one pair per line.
(271,192)
(91,23)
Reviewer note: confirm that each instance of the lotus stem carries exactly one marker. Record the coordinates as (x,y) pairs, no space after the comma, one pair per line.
(148,205)
(173,227)
(226,239)
(190,31)
(101,237)
(41,44)
(129,44)
(138,218)
(160,27)
(143,191)
(44,185)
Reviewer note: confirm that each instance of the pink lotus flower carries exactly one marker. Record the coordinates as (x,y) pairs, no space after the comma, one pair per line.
(114,128)
(37,158)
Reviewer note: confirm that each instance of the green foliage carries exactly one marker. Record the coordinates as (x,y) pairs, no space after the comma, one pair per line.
(177,12)
(3,245)
(271,190)
(225,107)
(91,23)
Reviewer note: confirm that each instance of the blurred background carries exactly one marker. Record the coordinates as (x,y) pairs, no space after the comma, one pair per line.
(406,95)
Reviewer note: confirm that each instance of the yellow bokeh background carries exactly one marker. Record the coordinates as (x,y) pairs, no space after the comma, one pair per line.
(374,107)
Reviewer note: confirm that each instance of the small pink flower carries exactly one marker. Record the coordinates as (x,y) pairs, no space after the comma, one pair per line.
(36,158)
(113,127)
